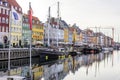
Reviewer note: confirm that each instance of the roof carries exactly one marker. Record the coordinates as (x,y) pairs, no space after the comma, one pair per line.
(33,18)
(64,23)
(71,29)
(15,4)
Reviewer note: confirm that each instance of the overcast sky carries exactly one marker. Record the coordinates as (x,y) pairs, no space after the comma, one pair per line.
(85,13)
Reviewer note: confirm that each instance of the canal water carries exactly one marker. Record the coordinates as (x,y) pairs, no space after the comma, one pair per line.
(102,66)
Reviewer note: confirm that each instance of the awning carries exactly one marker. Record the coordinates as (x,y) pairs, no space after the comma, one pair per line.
(61,42)
(39,42)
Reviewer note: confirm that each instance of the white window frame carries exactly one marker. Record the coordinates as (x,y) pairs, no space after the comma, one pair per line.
(1,2)
(0,19)
(19,9)
(16,8)
(6,29)
(3,29)
(6,12)
(6,21)
(6,4)
(0,29)
(3,19)
(0,10)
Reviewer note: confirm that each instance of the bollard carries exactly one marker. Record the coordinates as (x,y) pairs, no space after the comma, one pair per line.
(46,57)
(63,56)
(69,56)
(59,57)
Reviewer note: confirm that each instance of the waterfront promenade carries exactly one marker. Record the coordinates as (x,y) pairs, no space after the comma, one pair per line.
(15,53)
(20,53)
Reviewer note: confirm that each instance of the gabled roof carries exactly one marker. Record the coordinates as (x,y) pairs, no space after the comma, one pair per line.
(14,4)
(71,29)
(33,18)
(64,23)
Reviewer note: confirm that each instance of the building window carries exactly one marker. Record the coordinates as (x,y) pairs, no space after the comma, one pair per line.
(6,29)
(33,21)
(23,18)
(15,8)
(0,19)
(26,20)
(19,9)
(3,20)
(0,2)
(5,3)
(2,28)
(6,20)
(0,10)
(3,11)
(37,22)
(14,29)
(6,12)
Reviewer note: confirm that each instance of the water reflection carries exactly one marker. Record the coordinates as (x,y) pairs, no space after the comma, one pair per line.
(84,67)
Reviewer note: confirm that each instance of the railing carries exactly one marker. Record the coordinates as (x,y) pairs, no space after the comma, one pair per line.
(15,53)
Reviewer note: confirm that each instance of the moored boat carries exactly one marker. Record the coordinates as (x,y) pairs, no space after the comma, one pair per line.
(90,50)
(107,49)
(12,78)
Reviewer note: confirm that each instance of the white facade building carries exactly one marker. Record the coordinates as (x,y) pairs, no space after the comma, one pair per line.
(53,34)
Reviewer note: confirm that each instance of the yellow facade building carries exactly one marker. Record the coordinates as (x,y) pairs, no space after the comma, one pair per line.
(15,23)
(16,31)
(81,37)
(75,39)
(37,31)
(66,35)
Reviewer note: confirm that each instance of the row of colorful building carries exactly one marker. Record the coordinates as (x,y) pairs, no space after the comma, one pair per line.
(46,33)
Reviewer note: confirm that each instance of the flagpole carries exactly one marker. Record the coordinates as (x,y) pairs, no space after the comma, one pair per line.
(30,53)
(30,23)
(10,20)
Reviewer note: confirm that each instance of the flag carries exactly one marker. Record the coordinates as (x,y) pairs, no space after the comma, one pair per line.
(15,14)
(30,16)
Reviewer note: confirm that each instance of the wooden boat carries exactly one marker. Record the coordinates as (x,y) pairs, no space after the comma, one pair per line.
(90,50)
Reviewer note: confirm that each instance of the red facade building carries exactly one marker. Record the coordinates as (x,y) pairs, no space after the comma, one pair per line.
(4,21)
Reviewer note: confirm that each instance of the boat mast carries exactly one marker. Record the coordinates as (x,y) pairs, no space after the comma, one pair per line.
(113,36)
(10,23)
(48,25)
(58,25)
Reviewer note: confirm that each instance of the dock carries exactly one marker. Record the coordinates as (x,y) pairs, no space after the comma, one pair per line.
(19,53)
(16,53)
